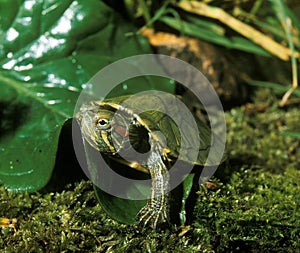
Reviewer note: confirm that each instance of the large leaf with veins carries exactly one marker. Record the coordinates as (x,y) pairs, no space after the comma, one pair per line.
(49,49)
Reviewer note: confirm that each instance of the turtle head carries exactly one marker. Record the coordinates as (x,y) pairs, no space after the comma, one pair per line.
(102,128)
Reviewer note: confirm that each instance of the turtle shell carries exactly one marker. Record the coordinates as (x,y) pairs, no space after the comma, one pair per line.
(166,122)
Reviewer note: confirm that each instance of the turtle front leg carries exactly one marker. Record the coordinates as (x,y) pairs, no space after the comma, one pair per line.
(156,211)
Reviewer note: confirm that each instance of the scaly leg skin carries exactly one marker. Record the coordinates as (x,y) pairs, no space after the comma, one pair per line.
(156,211)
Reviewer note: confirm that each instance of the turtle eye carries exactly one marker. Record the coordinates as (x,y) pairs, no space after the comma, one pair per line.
(103,123)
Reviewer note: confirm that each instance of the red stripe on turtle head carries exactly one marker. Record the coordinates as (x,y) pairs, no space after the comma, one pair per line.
(122,131)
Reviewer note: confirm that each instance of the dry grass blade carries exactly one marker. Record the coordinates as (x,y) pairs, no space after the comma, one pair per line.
(249,32)
(284,100)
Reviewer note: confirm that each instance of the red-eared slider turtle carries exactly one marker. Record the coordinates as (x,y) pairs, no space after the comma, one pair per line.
(114,126)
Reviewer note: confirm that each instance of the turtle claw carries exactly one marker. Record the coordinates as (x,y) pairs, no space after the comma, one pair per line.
(150,217)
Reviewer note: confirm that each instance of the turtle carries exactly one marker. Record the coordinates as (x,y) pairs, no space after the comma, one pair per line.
(115,126)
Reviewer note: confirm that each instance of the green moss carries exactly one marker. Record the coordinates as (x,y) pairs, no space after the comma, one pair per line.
(256,211)
(254,137)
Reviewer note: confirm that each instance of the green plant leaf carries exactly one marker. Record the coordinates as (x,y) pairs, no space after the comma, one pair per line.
(48,51)
(270,85)
(291,134)
(187,189)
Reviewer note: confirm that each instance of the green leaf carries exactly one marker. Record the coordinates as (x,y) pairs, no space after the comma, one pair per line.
(187,188)
(48,51)
(279,87)
(209,26)
(291,134)
(193,30)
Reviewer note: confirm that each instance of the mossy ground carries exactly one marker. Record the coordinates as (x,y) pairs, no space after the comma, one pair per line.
(256,209)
